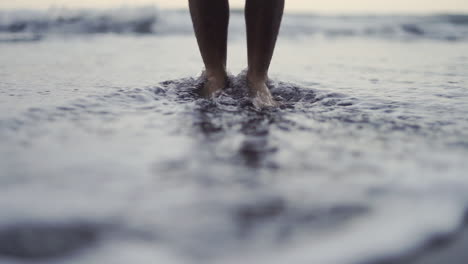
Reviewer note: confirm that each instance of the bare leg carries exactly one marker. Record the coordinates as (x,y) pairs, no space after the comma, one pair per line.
(263,19)
(210,21)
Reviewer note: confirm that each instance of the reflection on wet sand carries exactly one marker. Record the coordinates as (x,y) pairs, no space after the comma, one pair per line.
(232,112)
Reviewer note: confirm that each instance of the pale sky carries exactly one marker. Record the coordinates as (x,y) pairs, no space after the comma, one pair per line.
(317,6)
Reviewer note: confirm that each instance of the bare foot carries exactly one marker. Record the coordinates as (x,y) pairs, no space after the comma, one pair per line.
(214,84)
(261,96)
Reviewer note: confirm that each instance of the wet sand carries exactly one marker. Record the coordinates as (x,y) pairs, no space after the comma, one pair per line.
(450,250)
(446,248)
(107,145)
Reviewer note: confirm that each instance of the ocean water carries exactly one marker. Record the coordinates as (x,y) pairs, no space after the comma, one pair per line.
(109,155)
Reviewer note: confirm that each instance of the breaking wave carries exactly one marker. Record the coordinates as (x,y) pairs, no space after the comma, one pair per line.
(35,24)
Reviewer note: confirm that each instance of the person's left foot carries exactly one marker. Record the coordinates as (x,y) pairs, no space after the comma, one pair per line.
(214,84)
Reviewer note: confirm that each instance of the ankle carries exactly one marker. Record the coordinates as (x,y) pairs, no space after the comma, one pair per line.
(256,78)
(215,75)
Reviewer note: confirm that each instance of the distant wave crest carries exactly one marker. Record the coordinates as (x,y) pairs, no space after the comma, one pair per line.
(124,20)
(151,20)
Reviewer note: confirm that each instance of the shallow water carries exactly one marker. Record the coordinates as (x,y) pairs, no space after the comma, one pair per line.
(107,145)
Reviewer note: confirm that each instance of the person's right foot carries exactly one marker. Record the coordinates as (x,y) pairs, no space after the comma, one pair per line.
(213,84)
